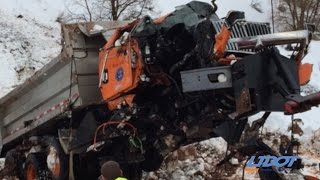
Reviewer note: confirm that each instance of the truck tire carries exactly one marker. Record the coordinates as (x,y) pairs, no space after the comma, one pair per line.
(13,165)
(35,167)
(56,160)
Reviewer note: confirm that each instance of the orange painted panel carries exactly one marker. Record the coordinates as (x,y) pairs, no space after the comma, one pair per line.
(305,71)
(222,39)
(118,66)
(122,76)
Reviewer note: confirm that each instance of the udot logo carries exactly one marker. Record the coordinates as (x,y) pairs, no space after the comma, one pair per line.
(119,74)
(254,163)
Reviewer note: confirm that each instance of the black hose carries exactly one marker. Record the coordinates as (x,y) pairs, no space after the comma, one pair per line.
(176,85)
(215,7)
(181,63)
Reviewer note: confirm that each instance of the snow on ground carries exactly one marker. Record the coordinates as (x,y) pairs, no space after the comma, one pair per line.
(196,161)
(26,45)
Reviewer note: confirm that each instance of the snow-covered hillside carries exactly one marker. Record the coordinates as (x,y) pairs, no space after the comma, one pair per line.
(44,11)
(26,44)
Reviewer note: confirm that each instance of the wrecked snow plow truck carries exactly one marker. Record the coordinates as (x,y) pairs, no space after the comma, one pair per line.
(134,91)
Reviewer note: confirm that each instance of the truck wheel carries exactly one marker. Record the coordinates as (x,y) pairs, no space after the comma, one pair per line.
(13,165)
(35,167)
(57,161)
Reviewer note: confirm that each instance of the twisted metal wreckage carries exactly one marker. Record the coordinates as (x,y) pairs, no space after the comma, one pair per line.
(135,91)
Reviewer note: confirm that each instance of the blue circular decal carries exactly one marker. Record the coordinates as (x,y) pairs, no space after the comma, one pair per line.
(119,74)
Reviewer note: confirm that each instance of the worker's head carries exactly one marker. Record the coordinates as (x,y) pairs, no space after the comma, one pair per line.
(110,170)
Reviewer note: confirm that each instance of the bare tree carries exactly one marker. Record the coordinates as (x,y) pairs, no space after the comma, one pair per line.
(97,10)
(293,14)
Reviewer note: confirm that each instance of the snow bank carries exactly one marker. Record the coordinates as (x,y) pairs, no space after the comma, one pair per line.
(25,46)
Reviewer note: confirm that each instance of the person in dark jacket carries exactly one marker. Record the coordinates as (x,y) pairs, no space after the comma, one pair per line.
(111,170)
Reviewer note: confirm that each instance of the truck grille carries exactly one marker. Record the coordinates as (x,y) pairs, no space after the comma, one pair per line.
(244,29)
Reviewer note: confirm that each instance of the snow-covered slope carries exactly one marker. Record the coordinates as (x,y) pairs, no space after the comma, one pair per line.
(45,11)
(26,44)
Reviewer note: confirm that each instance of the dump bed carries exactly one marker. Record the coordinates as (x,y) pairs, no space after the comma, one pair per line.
(71,79)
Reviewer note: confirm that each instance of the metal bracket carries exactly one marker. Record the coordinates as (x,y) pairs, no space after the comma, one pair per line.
(206,79)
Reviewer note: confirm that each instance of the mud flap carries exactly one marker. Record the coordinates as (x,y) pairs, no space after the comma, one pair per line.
(266,79)
(231,131)
(85,132)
